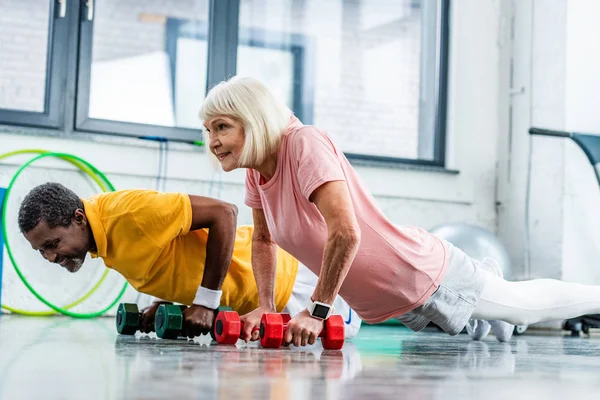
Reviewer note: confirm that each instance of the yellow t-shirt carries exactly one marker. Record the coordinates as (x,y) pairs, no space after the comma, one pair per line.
(144,235)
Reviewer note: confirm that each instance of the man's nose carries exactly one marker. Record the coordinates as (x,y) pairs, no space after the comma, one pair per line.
(50,256)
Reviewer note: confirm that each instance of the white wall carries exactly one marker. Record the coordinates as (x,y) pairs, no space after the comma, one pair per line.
(407,196)
(547,188)
(531,171)
(582,194)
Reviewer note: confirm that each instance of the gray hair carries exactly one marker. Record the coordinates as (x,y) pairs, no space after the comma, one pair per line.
(250,102)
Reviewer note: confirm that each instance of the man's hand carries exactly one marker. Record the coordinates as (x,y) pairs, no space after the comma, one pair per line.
(148,313)
(303,329)
(197,320)
(251,323)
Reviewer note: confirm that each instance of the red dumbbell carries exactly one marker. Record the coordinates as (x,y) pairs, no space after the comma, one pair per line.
(273,326)
(227,327)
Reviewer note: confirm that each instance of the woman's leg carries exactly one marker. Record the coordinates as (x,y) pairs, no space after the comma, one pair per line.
(528,302)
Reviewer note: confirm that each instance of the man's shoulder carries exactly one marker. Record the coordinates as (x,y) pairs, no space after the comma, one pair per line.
(125,201)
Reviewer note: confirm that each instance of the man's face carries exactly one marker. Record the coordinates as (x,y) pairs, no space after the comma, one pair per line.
(63,245)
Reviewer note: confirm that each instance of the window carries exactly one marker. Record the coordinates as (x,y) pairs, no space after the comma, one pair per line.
(371,73)
(128,76)
(32,61)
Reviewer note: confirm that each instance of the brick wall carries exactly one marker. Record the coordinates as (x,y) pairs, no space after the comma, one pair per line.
(366,57)
(23,43)
(367,67)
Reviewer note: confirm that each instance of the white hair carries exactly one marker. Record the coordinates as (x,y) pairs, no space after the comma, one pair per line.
(250,102)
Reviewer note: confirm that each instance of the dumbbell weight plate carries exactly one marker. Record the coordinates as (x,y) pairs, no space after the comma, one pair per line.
(168,321)
(334,333)
(127,319)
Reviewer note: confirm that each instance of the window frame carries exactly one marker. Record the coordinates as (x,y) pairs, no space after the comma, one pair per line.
(298,46)
(69,72)
(83,121)
(437,89)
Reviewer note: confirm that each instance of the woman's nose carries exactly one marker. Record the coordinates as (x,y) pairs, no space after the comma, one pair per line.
(214,143)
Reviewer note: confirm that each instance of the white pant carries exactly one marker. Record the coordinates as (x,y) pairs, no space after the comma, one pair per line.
(537,300)
(303,289)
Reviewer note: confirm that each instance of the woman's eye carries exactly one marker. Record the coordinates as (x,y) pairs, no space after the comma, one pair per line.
(221,127)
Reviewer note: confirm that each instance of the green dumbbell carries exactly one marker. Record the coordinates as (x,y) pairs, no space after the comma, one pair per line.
(168,321)
(128,319)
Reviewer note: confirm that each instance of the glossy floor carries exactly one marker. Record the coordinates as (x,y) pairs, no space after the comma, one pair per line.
(61,358)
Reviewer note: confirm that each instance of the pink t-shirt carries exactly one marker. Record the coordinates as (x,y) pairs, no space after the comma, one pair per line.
(396,269)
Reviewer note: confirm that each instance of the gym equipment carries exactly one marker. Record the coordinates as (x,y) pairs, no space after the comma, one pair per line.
(102,182)
(89,169)
(478,243)
(2,190)
(590,144)
(168,322)
(228,327)
(128,319)
(273,326)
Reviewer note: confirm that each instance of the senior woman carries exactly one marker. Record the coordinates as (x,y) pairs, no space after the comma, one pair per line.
(306,197)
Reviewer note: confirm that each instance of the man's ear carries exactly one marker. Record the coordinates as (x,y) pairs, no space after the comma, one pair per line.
(79,216)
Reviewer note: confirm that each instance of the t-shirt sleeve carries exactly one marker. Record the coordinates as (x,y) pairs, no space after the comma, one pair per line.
(252,197)
(162,216)
(317,158)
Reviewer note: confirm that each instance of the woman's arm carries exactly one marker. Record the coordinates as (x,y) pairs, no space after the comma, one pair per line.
(343,238)
(264,261)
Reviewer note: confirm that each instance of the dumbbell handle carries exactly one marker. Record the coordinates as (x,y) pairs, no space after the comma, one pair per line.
(322,334)
(242,327)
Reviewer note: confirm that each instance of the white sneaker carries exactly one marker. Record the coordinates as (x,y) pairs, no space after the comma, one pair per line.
(478,329)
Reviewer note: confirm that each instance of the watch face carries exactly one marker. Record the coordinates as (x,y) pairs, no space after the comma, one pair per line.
(320,311)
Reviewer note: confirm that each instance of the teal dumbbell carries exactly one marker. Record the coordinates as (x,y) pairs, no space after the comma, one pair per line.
(128,319)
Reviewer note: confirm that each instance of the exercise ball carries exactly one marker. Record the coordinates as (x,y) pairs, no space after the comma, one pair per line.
(476,242)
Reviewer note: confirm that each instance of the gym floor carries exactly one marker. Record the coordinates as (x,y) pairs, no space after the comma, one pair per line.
(64,358)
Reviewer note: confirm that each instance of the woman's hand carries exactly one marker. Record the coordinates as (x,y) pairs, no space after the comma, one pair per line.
(251,323)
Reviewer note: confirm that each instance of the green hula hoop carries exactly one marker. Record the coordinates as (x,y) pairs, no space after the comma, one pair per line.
(104,186)
(9,249)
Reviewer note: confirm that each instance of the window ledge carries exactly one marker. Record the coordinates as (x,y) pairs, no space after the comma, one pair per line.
(403,165)
(95,137)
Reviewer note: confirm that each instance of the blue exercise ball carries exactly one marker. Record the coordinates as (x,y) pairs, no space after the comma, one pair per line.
(478,243)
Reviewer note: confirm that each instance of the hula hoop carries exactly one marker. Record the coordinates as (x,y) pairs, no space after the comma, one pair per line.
(104,185)
(88,168)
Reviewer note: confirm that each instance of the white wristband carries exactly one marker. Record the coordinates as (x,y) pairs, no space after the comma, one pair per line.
(208,298)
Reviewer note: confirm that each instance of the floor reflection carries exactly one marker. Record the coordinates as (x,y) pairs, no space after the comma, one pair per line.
(63,358)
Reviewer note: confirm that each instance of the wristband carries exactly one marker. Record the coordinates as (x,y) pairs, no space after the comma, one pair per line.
(208,298)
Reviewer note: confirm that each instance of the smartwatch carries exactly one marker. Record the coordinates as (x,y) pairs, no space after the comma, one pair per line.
(319,310)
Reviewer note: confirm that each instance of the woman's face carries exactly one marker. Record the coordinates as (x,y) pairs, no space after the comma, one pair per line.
(226,140)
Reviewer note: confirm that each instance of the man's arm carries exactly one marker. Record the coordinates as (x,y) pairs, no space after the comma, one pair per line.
(264,261)
(221,220)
